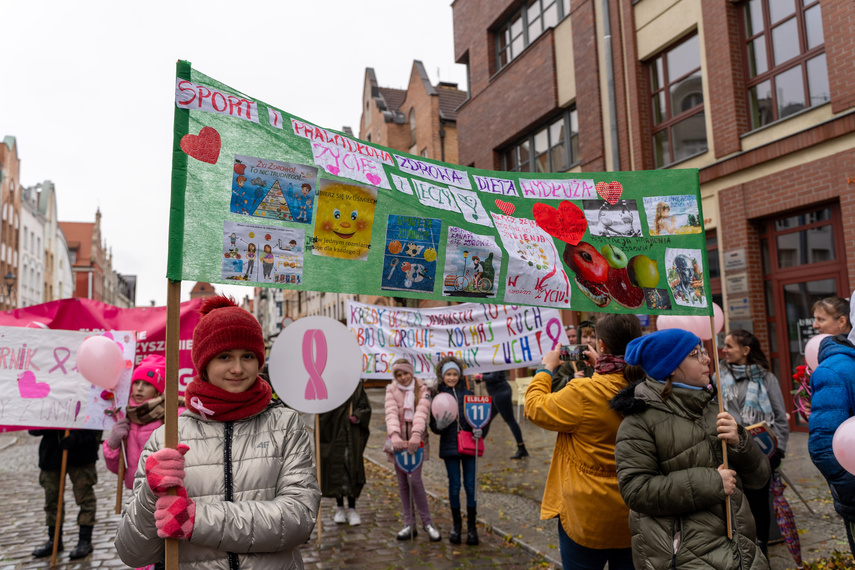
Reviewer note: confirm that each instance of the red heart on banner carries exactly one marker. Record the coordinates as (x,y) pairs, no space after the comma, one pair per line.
(610,192)
(205,146)
(505,207)
(567,223)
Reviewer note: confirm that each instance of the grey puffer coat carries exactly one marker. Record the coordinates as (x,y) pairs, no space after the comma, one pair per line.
(256,491)
(667,454)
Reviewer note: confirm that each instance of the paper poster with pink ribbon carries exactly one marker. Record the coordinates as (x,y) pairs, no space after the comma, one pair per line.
(41,387)
(315,365)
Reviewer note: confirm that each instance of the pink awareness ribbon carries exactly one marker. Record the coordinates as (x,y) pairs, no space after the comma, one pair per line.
(203,411)
(316,389)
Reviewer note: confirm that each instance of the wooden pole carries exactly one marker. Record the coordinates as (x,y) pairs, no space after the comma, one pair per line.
(720,410)
(170,418)
(57,529)
(120,484)
(318,464)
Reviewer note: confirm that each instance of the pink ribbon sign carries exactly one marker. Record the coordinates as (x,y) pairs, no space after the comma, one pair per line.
(315,361)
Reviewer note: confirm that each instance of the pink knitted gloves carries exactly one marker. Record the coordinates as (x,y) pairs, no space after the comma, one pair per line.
(175,516)
(165,468)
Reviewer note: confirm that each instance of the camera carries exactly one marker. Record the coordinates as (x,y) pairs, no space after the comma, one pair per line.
(575,352)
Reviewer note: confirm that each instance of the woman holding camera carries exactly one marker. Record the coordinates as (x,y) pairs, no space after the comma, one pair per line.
(582,476)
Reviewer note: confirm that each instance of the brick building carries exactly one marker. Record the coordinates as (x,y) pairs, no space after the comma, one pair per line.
(758,95)
(10,220)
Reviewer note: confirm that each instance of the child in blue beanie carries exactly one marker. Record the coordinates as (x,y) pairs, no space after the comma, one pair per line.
(669,462)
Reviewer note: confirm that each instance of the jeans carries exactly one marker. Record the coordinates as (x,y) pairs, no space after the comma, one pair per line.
(419,496)
(577,557)
(452,467)
(850,531)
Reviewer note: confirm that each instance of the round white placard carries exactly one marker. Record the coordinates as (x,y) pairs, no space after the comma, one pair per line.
(315,365)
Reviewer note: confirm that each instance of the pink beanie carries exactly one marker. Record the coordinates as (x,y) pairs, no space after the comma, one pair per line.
(152,369)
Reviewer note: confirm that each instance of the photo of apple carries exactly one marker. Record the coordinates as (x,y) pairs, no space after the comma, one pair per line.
(614,256)
(591,269)
(643,272)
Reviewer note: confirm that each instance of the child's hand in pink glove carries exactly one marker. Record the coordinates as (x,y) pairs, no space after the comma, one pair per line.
(165,469)
(414,443)
(398,444)
(175,516)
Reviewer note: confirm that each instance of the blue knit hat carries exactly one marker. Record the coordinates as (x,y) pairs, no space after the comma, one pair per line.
(660,353)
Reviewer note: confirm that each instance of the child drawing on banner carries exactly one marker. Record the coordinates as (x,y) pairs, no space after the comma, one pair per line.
(477,270)
(305,202)
(664,224)
(267,260)
(239,194)
(250,259)
(685,277)
(233,238)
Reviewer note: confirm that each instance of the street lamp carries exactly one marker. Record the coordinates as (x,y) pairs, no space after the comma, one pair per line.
(9,279)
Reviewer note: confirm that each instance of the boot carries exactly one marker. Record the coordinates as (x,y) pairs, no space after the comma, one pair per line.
(47,548)
(84,543)
(521,452)
(457,522)
(472,529)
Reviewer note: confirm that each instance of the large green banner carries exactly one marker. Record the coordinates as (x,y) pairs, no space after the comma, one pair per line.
(266,199)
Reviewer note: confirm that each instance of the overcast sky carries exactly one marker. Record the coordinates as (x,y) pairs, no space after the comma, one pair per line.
(87,89)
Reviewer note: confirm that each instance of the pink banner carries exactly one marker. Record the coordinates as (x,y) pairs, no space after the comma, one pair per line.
(89,315)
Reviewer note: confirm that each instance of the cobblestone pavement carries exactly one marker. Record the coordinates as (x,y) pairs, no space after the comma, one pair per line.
(512,534)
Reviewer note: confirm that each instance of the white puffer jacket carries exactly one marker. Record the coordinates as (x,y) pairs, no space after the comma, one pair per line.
(274,492)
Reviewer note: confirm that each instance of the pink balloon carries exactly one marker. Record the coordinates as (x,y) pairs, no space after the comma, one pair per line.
(843,445)
(699,326)
(812,350)
(100,361)
(443,402)
(718,317)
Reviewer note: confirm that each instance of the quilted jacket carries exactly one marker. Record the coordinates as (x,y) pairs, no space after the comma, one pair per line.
(395,424)
(667,454)
(256,491)
(832,403)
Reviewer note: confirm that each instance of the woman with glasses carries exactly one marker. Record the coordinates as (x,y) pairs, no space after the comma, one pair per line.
(752,394)
(669,462)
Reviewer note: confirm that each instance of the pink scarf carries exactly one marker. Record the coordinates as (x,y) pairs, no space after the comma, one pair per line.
(409,400)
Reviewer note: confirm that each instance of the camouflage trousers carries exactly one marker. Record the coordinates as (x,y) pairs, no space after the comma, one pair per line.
(83,480)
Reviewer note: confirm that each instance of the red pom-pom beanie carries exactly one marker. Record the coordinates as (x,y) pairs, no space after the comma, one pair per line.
(224,326)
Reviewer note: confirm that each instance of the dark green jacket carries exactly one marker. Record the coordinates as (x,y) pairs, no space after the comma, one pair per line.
(667,454)
(342,446)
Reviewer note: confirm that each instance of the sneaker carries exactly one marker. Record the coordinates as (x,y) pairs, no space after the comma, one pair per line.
(353,518)
(407,532)
(433,533)
(340,517)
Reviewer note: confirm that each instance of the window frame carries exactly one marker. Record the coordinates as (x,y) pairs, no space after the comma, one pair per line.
(562,9)
(671,120)
(570,141)
(773,71)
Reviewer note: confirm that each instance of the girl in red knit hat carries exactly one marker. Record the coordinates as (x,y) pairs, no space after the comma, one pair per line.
(247,493)
(145,414)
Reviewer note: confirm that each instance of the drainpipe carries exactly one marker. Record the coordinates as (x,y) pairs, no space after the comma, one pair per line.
(610,83)
(442,141)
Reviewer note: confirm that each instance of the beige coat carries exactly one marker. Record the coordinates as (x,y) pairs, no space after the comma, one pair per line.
(275,502)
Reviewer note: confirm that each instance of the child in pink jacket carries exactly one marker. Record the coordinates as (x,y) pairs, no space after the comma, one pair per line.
(144,415)
(407,414)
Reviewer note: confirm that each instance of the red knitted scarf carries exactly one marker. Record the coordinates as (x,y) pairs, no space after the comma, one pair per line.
(222,406)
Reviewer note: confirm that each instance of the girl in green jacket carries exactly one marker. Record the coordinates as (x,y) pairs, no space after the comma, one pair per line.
(670,467)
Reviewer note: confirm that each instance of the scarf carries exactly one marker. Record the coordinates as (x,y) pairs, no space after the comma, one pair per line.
(409,400)
(216,404)
(610,364)
(151,410)
(757,407)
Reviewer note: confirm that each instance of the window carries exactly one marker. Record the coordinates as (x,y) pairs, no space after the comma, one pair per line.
(412,126)
(785,55)
(679,129)
(525,25)
(553,147)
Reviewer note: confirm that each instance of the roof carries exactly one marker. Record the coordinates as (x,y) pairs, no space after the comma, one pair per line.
(449,101)
(392,97)
(79,233)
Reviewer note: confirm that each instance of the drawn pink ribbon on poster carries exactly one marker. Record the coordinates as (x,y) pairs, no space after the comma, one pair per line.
(316,389)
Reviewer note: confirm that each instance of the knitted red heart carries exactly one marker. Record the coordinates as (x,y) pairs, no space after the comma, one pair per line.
(505,207)
(204,147)
(567,223)
(610,192)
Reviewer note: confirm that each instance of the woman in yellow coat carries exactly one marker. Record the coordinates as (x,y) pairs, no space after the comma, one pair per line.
(581,488)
